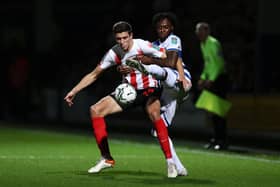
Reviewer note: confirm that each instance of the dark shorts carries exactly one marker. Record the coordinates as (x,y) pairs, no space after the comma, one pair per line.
(141,98)
(221,86)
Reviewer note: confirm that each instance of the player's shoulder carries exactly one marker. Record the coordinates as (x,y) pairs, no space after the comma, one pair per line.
(174,36)
(117,50)
(174,39)
(142,43)
(213,39)
(139,40)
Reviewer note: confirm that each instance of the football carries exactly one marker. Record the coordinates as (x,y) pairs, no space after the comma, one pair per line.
(125,93)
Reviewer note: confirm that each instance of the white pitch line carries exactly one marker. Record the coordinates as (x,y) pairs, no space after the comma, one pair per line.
(64,157)
(32,157)
(244,157)
(154,146)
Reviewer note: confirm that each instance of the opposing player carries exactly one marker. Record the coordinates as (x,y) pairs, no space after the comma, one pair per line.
(171,70)
(148,94)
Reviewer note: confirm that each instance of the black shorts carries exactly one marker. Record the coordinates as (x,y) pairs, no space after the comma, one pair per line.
(141,98)
(221,86)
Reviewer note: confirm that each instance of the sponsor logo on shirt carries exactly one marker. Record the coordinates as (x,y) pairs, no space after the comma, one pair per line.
(174,40)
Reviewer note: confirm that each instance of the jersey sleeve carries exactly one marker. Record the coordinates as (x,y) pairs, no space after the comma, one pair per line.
(174,44)
(109,59)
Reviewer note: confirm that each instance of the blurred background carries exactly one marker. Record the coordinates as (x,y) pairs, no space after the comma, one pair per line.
(47,46)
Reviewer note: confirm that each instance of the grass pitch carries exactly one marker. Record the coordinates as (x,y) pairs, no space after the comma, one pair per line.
(55,159)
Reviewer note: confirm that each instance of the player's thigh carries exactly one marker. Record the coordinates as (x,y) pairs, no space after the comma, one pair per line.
(153,108)
(105,106)
(168,95)
(169,112)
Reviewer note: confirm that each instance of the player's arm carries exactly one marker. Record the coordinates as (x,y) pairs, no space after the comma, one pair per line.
(169,61)
(179,66)
(180,69)
(85,81)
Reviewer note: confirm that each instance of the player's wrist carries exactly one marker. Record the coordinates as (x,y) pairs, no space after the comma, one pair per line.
(73,92)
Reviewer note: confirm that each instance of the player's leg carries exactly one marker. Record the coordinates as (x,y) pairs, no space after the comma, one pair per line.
(98,111)
(161,73)
(220,132)
(136,65)
(172,81)
(168,115)
(181,170)
(152,69)
(153,110)
(219,140)
(168,109)
(168,75)
(158,72)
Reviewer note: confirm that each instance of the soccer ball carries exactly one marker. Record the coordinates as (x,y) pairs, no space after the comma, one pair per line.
(125,93)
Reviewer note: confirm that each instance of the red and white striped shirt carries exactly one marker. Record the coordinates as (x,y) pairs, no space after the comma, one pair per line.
(135,78)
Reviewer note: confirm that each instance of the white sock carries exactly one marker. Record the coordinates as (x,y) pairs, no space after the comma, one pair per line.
(175,158)
(156,70)
(169,161)
(171,79)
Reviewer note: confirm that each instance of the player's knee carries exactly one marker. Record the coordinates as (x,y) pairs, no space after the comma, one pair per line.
(94,111)
(154,115)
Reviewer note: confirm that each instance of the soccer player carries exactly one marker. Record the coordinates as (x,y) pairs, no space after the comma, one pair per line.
(171,70)
(148,94)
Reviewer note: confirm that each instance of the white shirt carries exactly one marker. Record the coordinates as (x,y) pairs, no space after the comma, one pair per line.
(136,79)
(173,43)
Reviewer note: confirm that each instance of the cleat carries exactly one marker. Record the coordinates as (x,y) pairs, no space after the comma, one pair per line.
(171,170)
(136,65)
(221,146)
(217,145)
(211,144)
(102,164)
(182,172)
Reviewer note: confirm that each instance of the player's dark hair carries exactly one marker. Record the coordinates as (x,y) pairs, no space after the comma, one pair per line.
(122,26)
(164,15)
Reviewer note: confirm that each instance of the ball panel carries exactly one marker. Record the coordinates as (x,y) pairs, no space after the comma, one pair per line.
(125,93)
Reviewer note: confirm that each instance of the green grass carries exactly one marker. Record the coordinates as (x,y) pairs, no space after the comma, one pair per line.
(46,158)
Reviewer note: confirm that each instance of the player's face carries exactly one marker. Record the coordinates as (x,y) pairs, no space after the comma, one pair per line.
(201,34)
(124,39)
(164,28)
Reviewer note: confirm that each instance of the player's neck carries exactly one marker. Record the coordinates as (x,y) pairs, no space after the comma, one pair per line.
(130,45)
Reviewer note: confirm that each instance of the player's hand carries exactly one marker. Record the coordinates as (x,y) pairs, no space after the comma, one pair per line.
(69,98)
(200,84)
(186,83)
(208,84)
(204,84)
(123,69)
